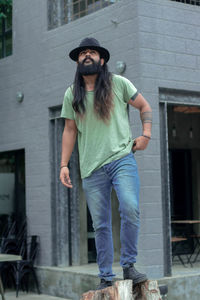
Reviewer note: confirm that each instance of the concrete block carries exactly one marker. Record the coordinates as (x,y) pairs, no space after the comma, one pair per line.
(149,162)
(150,241)
(150,177)
(174,12)
(151,40)
(198,62)
(153,225)
(151,257)
(174,44)
(187,61)
(150,9)
(192,47)
(157,57)
(150,194)
(150,210)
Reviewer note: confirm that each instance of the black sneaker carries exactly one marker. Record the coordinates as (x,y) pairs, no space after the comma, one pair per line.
(163,289)
(131,273)
(104,284)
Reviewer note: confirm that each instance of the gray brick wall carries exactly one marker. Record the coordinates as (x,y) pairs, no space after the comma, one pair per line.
(168,55)
(159,41)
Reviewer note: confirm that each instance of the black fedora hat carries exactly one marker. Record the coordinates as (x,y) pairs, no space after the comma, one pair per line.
(89,43)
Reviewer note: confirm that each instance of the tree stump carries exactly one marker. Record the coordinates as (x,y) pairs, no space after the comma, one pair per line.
(124,290)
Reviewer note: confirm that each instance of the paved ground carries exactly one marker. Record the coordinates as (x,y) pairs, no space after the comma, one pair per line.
(179,270)
(30,296)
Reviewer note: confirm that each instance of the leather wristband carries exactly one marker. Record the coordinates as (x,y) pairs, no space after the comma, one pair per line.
(146,136)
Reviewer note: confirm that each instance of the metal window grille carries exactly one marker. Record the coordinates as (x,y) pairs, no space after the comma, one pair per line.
(192,2)
(65,11)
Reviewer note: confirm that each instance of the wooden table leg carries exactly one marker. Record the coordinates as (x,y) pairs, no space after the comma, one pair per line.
(1,289)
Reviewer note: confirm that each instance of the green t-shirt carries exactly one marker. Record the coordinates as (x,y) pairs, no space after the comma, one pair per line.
(100,143)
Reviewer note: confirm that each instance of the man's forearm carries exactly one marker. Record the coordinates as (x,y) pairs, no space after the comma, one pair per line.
(145,113)
(68,141)
(146,118)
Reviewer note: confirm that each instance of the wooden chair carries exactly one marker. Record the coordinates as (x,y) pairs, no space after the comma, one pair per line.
(176,241)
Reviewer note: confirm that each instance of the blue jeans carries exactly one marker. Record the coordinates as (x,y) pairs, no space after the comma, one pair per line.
(122,175)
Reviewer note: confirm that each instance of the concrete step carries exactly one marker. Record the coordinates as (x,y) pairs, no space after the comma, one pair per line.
(72,282)
(30,296)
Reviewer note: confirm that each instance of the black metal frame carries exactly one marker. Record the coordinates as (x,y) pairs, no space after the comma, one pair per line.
(166,97)
(165,190)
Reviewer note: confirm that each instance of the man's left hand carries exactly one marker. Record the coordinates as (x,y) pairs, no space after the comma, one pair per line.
(141,143)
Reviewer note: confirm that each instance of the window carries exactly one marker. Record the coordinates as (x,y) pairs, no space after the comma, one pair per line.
(5,28)
(192,2)
(64,11)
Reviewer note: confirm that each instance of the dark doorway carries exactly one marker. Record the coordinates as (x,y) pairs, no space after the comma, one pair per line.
(12,187)
(181,184)
(181,199)
(183,138)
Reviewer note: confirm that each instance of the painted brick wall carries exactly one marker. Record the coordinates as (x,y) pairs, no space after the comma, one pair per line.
(159,41)
(169,44)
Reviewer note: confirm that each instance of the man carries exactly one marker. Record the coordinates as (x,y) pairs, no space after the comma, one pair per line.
(95,109)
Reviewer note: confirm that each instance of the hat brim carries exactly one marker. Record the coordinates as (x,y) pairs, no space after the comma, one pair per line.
(104,53)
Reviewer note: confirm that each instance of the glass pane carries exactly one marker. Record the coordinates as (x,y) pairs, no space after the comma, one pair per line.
(1,25)
(75,2)
(1,48)
(76,8)
(82,14)
(82,5)
(9,43)
(75,17)
(8,21)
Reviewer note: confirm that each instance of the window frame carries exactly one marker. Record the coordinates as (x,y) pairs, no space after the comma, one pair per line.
(190,2)
(61,12)
(4,33)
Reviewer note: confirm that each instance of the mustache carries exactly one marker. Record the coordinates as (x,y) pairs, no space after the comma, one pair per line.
(92,60)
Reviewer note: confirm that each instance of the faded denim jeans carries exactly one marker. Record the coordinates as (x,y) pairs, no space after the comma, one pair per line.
(122,175)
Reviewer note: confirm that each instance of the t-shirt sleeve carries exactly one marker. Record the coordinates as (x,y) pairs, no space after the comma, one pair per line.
(130,91)
(67,111)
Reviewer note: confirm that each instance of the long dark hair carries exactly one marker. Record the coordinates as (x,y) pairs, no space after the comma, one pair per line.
(103,102)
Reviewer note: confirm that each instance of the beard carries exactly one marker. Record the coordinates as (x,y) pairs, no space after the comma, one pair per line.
(91,69)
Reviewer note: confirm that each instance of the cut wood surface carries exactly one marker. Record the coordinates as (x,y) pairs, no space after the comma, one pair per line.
(124,290)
